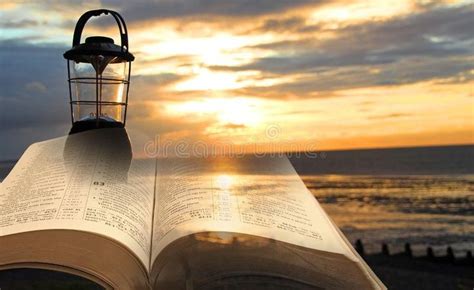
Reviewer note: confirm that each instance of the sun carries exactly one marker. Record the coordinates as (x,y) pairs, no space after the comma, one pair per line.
(224,181)
(227,111)
(208,80)
(239,111)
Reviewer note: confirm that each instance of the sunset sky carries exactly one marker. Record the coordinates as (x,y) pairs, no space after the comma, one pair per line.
(334,74)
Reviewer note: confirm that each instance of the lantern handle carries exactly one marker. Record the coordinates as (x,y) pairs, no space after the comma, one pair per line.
(86,16)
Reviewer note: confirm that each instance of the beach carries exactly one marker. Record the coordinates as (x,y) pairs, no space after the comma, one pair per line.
(435,211)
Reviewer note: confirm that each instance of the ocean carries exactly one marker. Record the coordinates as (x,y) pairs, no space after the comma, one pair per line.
(423,210)
(423,196)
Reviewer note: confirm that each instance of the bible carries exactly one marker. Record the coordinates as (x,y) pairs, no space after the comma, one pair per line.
(78,204)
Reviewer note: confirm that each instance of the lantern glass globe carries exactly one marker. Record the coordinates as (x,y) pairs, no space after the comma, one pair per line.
(104,84)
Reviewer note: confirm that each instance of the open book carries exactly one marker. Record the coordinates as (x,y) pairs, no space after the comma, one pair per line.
(82,205)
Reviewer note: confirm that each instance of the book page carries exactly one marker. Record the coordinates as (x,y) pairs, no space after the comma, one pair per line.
(191,198)
(86,182)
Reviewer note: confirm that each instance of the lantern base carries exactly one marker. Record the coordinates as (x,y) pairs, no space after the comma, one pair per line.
(117,156)
(92,124)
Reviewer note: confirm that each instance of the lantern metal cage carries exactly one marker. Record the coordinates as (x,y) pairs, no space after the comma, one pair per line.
(98,77)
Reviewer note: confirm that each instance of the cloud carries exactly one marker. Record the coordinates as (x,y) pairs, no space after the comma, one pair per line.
(433,44)
(143,10)
(294,24)
(233,126)
(33,98)
(279,52)
(34,85)
(19,23)
(388,116)
(435,33)
(327,82)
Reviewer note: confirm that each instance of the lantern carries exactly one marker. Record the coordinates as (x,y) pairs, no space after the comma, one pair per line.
(98,77)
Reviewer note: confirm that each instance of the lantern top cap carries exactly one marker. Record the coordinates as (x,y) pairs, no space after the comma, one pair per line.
(99,39)
(99,45)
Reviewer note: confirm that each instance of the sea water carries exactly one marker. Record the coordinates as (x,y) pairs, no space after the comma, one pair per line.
(423,210)
(423,195)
